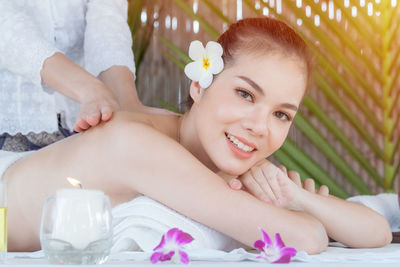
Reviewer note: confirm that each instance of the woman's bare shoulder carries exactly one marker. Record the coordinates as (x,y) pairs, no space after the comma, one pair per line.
(166,124)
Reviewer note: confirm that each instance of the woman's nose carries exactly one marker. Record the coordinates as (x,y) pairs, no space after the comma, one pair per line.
(257,123)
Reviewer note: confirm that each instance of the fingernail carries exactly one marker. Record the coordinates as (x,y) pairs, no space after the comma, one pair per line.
(235,184)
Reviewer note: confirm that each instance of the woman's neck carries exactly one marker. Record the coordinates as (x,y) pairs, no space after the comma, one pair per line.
(188,137)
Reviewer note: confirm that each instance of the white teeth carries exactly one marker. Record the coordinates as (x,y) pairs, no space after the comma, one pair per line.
(239,144)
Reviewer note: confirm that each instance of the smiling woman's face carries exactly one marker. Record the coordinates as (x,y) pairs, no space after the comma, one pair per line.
(246,113)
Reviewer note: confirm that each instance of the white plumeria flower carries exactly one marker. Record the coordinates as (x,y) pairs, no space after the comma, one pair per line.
(206,62)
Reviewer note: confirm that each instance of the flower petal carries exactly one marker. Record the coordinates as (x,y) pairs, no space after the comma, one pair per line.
(216,65)
(155,257)
(289,251)
(168,256)
(184,257)
(161,245)
(193,70)
(172,234)
(259,244)
(283,259)
(278,241)
(196,50)
(206,79)
(213,49)
(267,240)
(183,238)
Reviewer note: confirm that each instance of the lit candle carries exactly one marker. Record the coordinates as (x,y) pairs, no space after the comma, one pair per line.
(77,220)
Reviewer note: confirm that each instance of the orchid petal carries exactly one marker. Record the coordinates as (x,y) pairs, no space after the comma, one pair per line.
(214,49)
(260,245)
(167,257)
(172,234)
(278,241)
(283,259)
(266,238)
(206,79)
(183,238)
(288,251)
(184,257)
(196,50)
(161,245)
(155,257)
(216,65)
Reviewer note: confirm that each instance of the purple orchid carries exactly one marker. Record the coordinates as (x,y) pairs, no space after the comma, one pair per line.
(170,247)
(274,252)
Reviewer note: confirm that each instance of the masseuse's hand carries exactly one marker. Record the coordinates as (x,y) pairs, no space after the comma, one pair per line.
(71,80)
(98,105)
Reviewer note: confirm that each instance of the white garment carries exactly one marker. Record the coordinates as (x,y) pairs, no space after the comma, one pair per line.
(92,33)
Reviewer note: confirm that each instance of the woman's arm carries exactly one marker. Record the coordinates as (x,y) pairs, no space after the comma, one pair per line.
(349,223)
(124,157)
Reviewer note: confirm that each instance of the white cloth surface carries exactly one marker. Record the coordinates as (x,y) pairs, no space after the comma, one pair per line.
(92,33)
(333,254)
(385,204)
(8,158)
(140,223)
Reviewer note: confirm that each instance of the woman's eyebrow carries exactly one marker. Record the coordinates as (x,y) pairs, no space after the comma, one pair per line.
(258,89)
(252,84)
(289,106)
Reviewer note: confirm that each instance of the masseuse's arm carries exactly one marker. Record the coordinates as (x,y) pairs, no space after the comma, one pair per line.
(121,81)
(349,223)
(71,80)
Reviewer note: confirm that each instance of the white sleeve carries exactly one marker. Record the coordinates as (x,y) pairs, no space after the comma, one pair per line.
(108,40)
(23,48)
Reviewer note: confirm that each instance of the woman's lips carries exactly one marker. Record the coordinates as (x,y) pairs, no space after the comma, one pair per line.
(240,147)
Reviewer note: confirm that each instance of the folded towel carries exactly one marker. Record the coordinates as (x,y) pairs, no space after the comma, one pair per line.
(385,204)
(139,225)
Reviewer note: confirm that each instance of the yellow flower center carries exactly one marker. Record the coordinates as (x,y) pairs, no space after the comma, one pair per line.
(206,63)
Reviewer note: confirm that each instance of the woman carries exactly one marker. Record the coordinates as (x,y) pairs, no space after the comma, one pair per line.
(183,161)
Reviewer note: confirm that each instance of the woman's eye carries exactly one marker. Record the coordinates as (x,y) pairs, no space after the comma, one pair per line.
(282,116)
(245,95)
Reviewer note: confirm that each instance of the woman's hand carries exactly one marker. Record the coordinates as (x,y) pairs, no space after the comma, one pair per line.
(275,185)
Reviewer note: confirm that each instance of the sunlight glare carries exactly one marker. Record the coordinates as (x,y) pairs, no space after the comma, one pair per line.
(239,11)
(308,11)
(143,16)
(331,9)
(279,6)
(370,8)
(354,11)
(316,20)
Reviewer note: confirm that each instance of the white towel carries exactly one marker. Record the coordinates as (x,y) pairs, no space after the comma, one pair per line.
(385,204)
(140,224)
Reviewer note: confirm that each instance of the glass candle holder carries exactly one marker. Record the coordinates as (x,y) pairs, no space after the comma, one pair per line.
(3,221)
(76,227)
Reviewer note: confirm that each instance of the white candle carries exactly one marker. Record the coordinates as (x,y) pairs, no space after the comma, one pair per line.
(77,220)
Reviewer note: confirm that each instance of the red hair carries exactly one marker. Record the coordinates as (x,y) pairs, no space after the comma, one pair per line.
(264,35)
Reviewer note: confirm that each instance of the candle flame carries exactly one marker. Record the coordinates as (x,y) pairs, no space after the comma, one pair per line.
(74,182)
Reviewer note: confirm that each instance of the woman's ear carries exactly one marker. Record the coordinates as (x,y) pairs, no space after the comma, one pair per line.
(195,91)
